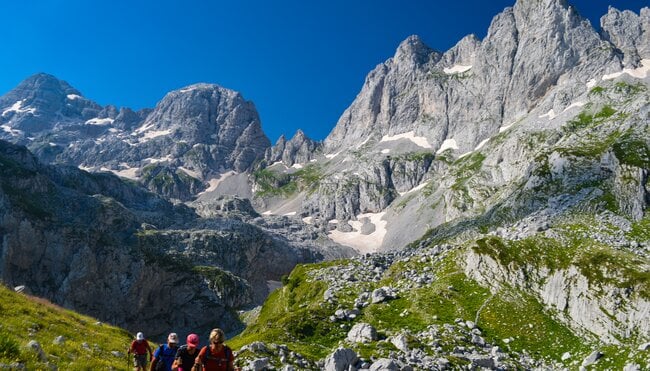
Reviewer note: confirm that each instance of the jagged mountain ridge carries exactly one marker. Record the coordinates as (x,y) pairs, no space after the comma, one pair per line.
(422,110)
(193,134)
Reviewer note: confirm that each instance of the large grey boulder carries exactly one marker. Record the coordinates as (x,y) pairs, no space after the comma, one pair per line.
(362,333)
(341,360)
(385,364)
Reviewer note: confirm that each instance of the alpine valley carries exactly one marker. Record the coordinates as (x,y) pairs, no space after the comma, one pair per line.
(483,207)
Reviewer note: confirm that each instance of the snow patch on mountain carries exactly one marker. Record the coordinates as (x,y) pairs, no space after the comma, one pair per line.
(99,122)
(447,144)
(126,172)
(459,68)
(160,159)
(189,172)
(480,145)
(550,114)
(414,189)
(18,108)
(153,134)
(74,96)
(11,130)
(419,141)
(574,105)
(639,73)
(363,243)
(214,182)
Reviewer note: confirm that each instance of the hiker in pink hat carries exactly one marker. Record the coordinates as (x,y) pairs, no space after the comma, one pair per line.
(186,354)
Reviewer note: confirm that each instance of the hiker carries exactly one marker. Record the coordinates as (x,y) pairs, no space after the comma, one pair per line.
(215,357)
(164,356)
(186,354)
(139,347)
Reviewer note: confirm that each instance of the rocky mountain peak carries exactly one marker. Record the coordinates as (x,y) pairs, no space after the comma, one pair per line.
(42,101)
(628,32)
(42,82)
(299,136)
(412,51)
(298,150)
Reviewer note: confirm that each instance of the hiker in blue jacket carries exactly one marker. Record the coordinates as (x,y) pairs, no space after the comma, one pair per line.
(165,354)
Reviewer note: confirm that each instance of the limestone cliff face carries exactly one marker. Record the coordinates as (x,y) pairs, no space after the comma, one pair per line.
(193,133)
(467,126)
(531,50)
(298,150)
(609,312)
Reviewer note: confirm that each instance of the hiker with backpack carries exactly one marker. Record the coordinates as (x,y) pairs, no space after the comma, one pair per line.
(215,357)
(140,347)
(164,356)
(186,354)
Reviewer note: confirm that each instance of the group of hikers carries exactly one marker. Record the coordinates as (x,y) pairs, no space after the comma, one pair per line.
(171,357)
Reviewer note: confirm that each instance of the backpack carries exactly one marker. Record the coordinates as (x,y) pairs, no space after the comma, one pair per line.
(208,356)
(161,365)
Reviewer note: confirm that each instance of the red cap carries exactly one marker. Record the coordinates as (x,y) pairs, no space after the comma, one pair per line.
(193,340)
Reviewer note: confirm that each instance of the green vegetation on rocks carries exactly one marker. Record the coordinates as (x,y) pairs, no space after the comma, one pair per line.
(86,343)
(274,183)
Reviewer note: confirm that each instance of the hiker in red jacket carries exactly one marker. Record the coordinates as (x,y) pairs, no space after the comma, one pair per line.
(139,347)
(217,356)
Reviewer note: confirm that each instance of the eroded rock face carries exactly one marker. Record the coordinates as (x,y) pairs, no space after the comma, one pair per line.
(609,312)
(193,133)
(468,92)
(82,240)
(298,150)
(628,32)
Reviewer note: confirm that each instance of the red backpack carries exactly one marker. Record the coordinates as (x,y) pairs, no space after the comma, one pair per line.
(214,363)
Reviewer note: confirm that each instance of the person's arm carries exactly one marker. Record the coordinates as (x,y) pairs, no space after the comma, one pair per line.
(150,352)
(231,366)
(154,361)
(198,364)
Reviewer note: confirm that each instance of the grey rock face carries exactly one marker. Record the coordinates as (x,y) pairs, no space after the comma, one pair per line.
(505,75)
(628,32)
(298,150)
(195,132)
(385,364)
(67,228)
(220,129)
(362,333)
(341,360)
(41,103)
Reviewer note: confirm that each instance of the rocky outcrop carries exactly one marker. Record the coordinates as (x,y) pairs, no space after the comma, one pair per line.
(610,312)
(41,103)
(629,33)
(298,150)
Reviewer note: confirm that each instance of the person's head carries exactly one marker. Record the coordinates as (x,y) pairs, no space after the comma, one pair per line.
(139,336)
(192,340)
(217,336)
(172,339)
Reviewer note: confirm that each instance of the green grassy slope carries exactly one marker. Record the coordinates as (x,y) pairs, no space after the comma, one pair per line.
(88,344)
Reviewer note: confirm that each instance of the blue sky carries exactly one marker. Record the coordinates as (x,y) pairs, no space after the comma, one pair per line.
(301,62)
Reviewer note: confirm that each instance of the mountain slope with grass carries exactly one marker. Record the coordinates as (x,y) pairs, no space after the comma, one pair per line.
(38,335)
(559,298)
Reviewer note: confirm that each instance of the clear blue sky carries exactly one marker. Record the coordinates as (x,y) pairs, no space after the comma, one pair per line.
(301,62)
